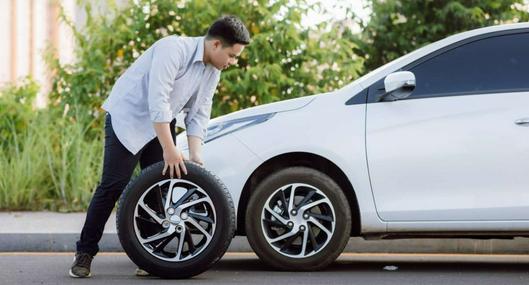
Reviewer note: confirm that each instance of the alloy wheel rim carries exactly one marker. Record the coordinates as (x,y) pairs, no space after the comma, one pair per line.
(298,220)
(174,220)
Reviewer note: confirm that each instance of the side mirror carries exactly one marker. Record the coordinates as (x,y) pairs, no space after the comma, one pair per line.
(398,85)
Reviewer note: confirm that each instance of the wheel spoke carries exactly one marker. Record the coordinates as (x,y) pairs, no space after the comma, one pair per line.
(150,212)
(305,199)
(284,201)
(189,240)
(159,199)
(313,241)
(147,221)
(276,215)
(164,243)
(157,236)
(194,202)
(201,217)
(319,225)
(180,244)
(289,241)
(291,200)
(284,236)
(169,196)
(274,223)
(321,217)
(315,203)
(199,227)
(304,242)
(186,196)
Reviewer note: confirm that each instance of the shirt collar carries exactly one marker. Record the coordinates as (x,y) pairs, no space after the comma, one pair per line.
(199,54)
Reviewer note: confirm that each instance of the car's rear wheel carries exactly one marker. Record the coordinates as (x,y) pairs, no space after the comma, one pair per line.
(298,219)
(175,228)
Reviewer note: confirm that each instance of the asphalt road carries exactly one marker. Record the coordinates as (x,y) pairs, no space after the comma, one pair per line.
(245,268)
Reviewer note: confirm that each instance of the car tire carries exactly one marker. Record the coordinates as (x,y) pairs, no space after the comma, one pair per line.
(327,208)
(168,243)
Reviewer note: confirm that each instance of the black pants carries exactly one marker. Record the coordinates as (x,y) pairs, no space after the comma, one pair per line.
(118,166)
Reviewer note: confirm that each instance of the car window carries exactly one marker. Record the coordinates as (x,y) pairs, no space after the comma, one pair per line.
(495,64)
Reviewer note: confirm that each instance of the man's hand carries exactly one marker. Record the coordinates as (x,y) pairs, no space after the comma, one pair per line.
(195,149)
(174,161)
(195,157)
(173,158)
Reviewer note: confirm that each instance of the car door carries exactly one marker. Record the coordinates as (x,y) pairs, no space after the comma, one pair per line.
(457,149)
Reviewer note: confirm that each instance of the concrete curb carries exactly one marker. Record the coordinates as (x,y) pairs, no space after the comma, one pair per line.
(47,232)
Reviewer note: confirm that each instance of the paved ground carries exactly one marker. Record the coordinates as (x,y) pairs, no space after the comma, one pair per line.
(245,268)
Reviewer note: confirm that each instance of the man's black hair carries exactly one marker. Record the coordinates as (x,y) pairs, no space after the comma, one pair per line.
(229,30)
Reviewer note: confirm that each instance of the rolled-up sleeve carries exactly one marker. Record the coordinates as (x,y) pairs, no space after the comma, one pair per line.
(166,61)
(198,125)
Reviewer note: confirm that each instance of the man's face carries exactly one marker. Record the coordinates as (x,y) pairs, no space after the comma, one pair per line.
(223,57)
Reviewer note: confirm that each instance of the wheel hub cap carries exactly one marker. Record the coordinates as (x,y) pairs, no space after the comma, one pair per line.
(174,220)
(298,220)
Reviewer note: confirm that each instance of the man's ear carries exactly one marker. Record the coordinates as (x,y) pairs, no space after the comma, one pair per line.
(217,43)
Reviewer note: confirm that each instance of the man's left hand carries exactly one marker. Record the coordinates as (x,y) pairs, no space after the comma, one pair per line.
(195,149)
(196,158)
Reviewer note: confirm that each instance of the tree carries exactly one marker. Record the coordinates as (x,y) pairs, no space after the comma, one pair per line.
(398,27)
(284,59)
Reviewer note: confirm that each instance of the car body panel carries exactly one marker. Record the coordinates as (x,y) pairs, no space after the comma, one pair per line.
(309,132)
(450,158)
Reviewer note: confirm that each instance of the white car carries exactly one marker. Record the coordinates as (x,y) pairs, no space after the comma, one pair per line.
(435,143)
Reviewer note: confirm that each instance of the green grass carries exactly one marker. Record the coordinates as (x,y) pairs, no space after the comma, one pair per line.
(51,165)
(21,171)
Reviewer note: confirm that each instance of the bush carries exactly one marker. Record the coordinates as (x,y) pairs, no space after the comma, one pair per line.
(16,108)
(284,60)
(49,165)
(47,161)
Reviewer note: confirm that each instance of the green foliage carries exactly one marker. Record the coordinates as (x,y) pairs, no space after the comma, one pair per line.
(398,27)
(16,108)
(284,60)
(47,161)
(49,165)
(74,162)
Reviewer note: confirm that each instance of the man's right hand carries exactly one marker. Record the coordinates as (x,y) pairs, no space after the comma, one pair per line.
(172,157)
(174,162)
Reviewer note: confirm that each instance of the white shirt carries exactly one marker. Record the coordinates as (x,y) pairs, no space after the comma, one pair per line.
(167,78)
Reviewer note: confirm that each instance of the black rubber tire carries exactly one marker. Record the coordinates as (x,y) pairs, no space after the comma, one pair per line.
(224,232)
(312,177)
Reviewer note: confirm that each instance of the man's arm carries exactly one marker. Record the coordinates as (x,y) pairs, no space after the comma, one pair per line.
(166,60)
(197,126)
(195,149)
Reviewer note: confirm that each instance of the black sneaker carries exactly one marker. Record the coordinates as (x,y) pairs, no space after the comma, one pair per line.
(81,265)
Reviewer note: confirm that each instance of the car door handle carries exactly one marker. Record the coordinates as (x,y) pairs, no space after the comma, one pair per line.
(522,122)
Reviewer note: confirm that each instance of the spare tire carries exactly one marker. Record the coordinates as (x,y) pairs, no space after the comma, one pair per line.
(175,228)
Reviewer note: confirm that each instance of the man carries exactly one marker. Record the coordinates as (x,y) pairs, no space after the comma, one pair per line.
(174,74)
